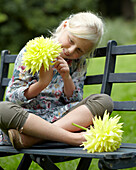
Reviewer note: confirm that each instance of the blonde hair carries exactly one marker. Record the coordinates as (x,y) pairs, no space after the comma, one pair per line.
(84,25)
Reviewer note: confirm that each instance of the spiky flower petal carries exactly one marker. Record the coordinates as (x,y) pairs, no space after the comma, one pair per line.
(104,136)
(40,51)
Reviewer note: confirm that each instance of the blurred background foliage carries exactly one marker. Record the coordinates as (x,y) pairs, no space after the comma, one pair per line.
(22,20)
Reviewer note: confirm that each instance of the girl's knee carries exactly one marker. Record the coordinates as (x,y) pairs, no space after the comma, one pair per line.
(11,116)
(98,103)
(4,115)
(106,101)
(4,109)
(8,108)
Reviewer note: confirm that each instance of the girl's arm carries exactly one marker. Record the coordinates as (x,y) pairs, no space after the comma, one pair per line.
(78,81)
(23,85)
(69,86)
(73,83)
(45,78)
(63,68)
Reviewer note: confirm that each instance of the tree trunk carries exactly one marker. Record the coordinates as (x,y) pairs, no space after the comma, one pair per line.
(128,9)
(114,8)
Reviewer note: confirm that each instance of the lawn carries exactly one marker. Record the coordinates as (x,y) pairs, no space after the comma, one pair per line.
(125,92)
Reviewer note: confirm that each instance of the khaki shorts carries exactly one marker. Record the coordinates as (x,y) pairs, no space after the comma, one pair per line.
(13,116)
(97,104)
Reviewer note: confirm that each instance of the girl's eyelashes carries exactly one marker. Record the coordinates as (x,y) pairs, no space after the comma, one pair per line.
(71,41)
(79,50)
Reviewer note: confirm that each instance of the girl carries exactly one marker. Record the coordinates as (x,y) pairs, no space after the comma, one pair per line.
(44,106)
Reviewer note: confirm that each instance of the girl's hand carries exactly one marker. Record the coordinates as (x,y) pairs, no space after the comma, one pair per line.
(45,77)
(62,67)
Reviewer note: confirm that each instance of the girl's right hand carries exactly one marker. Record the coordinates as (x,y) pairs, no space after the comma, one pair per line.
(45,76)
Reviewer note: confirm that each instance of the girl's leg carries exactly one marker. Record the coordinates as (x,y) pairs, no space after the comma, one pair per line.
(80,115)
(39,128)
(84,111)
(35,129)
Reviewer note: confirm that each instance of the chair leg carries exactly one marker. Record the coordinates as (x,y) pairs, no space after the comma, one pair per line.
(102,166)
(25,162)
(44,162)
(84,164)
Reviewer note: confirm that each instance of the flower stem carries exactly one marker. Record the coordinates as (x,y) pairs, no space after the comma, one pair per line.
(81,127)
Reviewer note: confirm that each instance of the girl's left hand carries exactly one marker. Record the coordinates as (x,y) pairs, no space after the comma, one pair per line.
(62,67)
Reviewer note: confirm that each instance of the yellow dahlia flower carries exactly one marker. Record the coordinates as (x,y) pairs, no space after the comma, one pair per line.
(40,51)
(104,136)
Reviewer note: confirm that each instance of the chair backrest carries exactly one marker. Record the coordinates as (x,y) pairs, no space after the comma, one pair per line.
(7,58)
(110,77)
(106,79)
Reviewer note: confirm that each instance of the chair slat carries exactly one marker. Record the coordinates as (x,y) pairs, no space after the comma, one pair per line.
(123,50)
(125,106)
(122,77)
(96,79)
(10,58)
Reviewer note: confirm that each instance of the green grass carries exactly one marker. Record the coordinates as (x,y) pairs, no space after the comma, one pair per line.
(124,35)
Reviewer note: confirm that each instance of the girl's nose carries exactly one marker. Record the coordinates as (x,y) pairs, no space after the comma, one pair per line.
(71,49)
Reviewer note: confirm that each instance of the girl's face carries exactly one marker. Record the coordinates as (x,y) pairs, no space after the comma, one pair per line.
(73,47)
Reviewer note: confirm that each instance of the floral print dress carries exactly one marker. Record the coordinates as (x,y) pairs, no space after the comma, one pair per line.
(51,104)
